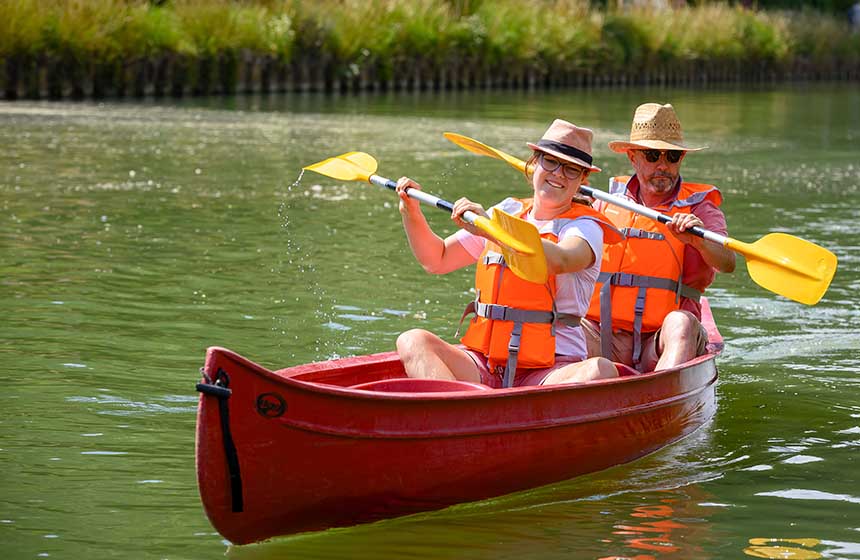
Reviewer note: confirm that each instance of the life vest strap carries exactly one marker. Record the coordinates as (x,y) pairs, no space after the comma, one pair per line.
(513,354)
(643,234)
(497,312)
(625,279)
(494,258)
(639,311)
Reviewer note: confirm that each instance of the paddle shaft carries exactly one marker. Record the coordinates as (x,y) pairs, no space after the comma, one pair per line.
(746,249)
(422,196)
(648,212)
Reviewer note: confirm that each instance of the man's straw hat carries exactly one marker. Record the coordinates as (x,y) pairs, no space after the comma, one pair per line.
(567,142)
(655,127)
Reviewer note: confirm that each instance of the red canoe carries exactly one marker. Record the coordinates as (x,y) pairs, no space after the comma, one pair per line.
(352,440)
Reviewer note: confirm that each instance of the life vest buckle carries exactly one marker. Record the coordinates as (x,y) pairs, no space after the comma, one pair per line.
(622,279)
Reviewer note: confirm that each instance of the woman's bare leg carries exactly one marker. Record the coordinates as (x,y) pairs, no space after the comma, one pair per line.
(580,372)
(425,355)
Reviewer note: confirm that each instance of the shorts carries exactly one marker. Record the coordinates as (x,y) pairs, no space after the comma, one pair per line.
(524,376)
(622,345)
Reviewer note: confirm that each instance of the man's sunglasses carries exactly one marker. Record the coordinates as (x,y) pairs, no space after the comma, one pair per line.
(672,156)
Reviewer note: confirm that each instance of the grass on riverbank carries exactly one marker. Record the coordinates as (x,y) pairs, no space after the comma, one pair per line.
(542,37)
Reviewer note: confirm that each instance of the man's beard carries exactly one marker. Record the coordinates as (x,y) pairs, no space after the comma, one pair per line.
(662,181)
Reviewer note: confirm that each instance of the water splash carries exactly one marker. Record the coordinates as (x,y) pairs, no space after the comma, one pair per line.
(301,261)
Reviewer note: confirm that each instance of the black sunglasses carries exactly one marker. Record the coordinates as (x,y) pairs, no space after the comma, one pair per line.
(672,156)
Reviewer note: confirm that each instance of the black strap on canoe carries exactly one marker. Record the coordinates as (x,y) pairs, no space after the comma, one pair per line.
(220,388)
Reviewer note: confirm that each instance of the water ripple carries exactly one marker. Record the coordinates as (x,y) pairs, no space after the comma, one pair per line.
(801,494)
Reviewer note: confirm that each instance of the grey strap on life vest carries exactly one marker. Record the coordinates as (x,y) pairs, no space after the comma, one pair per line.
(640,281)
(642,234)
(638,313)
(504,313)
(513,354)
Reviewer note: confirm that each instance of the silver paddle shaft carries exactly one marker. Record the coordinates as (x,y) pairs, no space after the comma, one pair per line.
(653,214)
(424,197)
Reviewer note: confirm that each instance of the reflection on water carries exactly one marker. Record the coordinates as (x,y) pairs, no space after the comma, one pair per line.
(653,531)
(134,235)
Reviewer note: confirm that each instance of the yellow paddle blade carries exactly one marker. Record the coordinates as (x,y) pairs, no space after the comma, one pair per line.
(788,265)
(531,267)
(472,145)
(506,238)
(351,166)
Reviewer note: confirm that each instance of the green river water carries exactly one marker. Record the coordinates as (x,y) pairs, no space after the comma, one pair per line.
(135,235)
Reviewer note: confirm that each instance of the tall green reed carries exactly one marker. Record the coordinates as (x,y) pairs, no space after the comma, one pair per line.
(388,37)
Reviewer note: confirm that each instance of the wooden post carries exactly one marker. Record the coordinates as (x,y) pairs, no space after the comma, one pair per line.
(10,86)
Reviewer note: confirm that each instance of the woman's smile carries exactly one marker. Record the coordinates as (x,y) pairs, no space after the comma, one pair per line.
(555,184)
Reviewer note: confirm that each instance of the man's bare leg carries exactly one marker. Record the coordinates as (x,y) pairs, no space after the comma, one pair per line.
(679,337)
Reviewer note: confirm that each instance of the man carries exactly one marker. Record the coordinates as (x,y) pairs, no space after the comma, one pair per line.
(651,283)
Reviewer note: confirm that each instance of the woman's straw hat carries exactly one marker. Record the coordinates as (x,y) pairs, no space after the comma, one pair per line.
(655,127)
(567,142)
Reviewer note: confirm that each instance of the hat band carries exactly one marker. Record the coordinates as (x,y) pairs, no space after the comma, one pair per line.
(565,149)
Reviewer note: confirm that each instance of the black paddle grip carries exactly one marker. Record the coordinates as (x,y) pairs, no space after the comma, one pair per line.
(445,205)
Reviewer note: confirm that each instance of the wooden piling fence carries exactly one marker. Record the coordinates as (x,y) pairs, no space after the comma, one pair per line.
(176,75)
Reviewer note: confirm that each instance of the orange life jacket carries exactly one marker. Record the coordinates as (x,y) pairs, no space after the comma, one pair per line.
(640,278)
(515,320)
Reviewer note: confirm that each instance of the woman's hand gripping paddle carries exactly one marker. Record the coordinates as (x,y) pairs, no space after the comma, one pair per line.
(518,240)
(784,264)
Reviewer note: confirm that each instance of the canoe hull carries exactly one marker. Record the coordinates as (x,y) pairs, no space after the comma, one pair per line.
(314,453)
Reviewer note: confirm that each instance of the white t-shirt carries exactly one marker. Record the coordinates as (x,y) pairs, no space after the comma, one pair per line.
(573,289)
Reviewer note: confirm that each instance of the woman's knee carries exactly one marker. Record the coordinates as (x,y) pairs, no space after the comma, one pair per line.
(414,340)
(605,368)
(581,372)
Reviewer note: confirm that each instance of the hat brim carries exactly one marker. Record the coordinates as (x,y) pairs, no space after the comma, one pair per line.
(622,146)
(565,157)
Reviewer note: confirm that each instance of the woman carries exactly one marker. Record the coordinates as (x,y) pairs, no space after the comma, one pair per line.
(542,342)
